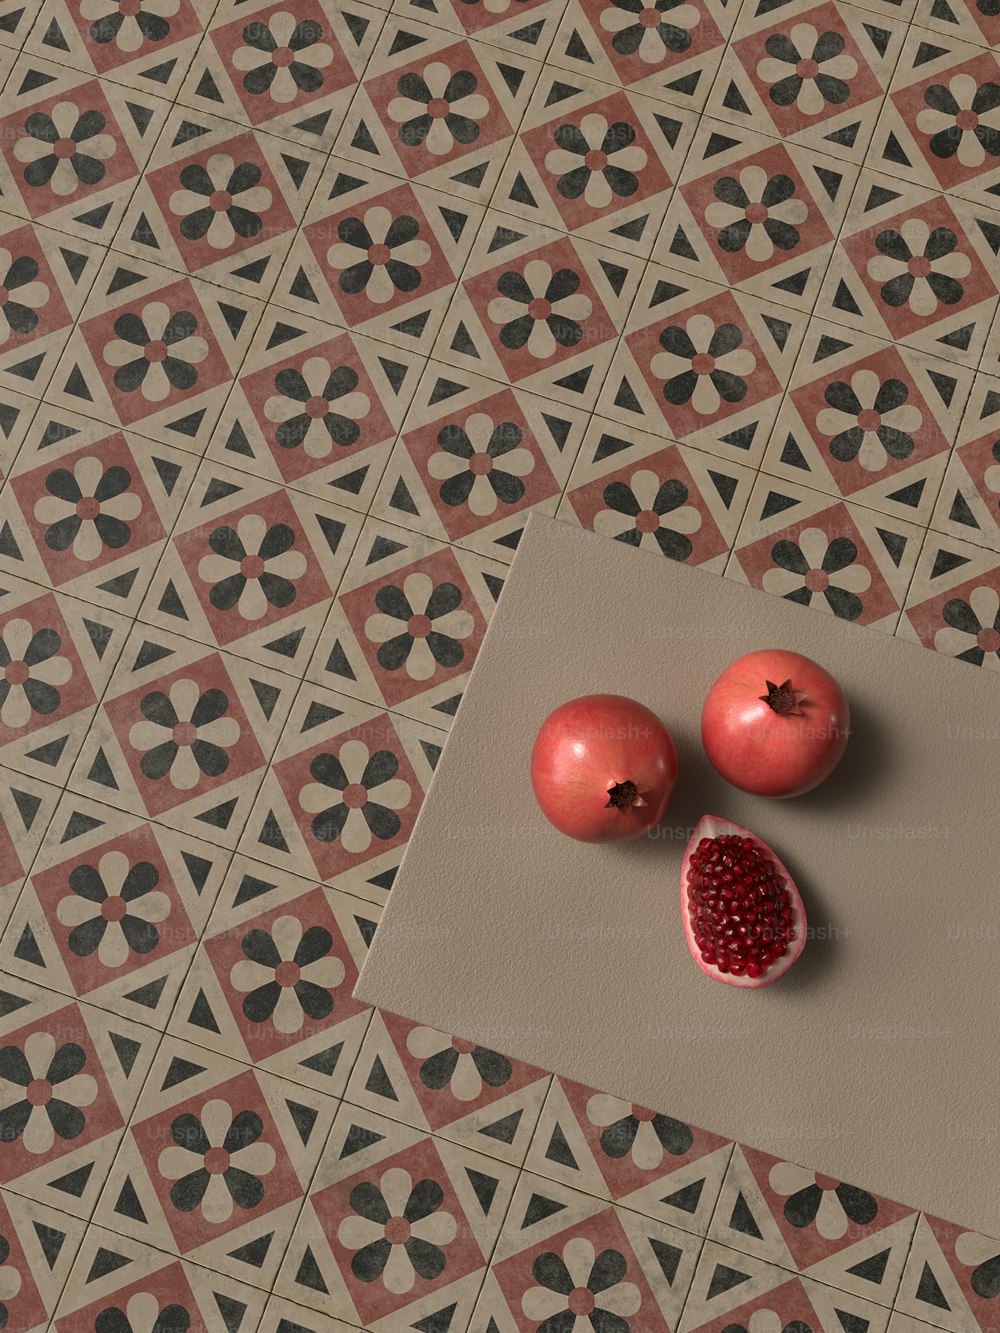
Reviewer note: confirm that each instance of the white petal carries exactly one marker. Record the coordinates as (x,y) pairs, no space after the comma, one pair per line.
(425,1042)
(466,1083)
(831,1220)
(985,602)
(603,1109)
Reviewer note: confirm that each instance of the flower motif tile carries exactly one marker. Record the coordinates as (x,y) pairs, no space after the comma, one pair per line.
(670,49)
(732,1290)
(567,1256)
(219,201)
(968,506)
(953,605)
(916,267)
(812,74)
(474,458)
(39,1245)
(119,1283)
(595,161)
(705,363)
(539,309)
(155,351)
(398,1227)
(252,567)
(113,910)
(407,623)
(869,421)
(341,798)
(755,214)
(437,109)
(88,508)
(524,27)
(378,255)
(461,1091)
(183,734)
(70,1075)
(146,44)
(950,1278)
(57,657)
(838,1233)
(272,980)
(291,70)
(216,1162)
(316,408)
(645,1160)
(664,498)
(839,558)
(45,276)
(104,135)
(971,20)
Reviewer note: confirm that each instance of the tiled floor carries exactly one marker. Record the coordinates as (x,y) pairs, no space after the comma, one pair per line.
(303,308)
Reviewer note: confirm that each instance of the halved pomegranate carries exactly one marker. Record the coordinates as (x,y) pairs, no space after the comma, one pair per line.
(743,918)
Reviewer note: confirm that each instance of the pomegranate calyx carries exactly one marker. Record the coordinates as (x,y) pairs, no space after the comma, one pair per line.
(783,699)
(625,795)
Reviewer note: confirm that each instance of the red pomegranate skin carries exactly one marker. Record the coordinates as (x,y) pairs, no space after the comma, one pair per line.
(762,749)
(603,768)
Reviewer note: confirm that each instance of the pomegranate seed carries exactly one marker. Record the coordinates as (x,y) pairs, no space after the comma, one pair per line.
(741,911)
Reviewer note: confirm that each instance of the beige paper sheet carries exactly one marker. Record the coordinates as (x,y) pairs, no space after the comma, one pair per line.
(875,1059)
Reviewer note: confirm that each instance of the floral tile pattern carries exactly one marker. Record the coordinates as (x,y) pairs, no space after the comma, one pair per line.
(869,421)
(39,1245)
(971,20)
(953,605)
(968,505)
(950,1278)
(564,1255)
(527,27)
(474,458)
(215,1162)
(397,1225)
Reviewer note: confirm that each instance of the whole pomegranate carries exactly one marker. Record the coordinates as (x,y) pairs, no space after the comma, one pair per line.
(603,768)
(775,723)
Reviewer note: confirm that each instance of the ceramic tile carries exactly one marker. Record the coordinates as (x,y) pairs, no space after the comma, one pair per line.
(968,506)
(282,1316)
(644,1160)
(473,459)
(71,1075)
(664,498)
(342,795)
(147,45)
(155,351)
(456,1089)
(16,413)
(595,161)
(45,276)
(251,567)
(915,267)
(38,1247)
(479,95)
(706,363)
(972,20)
(378,255)
(219,201)
(108,130)
(113,910)
(398,1227)
(216,1162)
(869,421)
(847,1237)
(272,979)
(407,623)
(734,1291)
(833,103)
(953,604)
(58,655)
(667,49)
(119,1284)
(539,309)
(940,126)
(755,214)
(26,806)
(316,408)
(183,734)
(292,73)
(950,1279)
(16,18)
(838,558)
(564,1255)
(87,508)
(524,27)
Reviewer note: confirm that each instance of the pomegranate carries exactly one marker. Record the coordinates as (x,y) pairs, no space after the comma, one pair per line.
(775,723)
(603,768)
(743,918)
